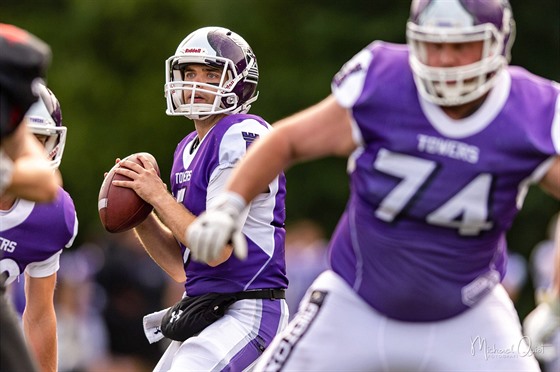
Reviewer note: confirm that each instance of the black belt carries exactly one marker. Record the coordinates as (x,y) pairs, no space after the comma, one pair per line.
(271,294)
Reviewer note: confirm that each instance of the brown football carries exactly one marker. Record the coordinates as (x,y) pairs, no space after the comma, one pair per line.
(120,208)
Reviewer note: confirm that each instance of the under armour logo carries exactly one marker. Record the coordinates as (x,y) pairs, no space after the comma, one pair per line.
(175,316)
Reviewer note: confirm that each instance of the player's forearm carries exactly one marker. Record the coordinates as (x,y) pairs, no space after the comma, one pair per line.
(42,339)
(264,160)
(34,180)
(551,180)
(161,245)
(32,176)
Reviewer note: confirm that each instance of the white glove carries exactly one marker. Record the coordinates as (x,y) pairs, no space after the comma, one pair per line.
(208,235)
(541,324)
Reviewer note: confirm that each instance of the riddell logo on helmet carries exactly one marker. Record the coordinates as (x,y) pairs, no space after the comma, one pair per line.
(193,50)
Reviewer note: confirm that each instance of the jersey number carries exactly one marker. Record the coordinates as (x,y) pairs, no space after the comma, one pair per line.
(467,211)
(11,267)
(181,195)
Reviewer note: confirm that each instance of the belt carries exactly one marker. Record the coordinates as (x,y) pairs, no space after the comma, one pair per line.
(271,294)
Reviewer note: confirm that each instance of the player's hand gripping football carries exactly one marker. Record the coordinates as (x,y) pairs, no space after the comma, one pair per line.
(543,321)
(208,235)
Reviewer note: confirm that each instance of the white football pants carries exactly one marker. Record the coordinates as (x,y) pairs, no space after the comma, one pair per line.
(335,330)
(232,343)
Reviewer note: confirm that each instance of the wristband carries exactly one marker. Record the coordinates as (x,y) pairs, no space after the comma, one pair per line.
(230,202)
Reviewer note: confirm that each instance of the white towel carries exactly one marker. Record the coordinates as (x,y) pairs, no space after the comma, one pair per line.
(152,325)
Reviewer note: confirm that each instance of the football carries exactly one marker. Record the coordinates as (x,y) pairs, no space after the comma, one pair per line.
(120,208)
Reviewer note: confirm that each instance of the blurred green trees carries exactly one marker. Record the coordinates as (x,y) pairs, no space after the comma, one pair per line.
(108,73)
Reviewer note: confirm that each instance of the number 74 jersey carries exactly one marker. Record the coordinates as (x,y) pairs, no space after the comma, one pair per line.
(423,235)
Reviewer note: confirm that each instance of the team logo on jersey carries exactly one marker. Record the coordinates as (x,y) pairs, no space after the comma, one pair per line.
(249,138)
(297,328)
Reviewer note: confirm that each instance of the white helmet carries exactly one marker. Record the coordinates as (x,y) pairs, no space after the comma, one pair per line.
(459,21)
(216,47)
(44,117)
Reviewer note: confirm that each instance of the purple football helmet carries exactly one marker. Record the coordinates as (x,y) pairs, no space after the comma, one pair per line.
(459,21)
(216,47)
(44,118)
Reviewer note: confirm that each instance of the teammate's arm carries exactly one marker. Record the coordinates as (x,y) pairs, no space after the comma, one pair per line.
(551,184)
(551,180)
(39,320)
(31,177)
(321,130)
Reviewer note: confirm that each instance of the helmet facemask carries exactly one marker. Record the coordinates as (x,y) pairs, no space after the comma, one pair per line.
(40,123)
(183,93)
(44,118)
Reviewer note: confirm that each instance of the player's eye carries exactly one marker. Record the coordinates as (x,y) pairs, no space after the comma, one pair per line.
(213,75)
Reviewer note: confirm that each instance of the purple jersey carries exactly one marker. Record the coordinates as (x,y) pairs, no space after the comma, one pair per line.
(191,176)
(423,235)
(32,235)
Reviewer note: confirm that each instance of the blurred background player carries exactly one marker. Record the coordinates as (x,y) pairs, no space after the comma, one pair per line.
(133,285)
(212,80)
(444,139)
(34,234)
(306,258)
(542,325)
(24,167)
(81,329)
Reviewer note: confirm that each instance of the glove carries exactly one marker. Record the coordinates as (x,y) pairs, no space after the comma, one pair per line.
(541,324)
(208,235)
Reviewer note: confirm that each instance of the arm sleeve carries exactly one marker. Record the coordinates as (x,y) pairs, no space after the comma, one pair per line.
(44,268)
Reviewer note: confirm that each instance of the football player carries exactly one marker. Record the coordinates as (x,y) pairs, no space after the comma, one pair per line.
(212,80)
(443,139)
(24,169)
(33,235)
